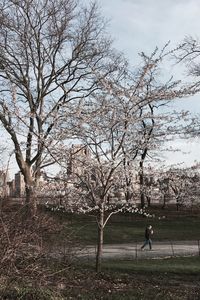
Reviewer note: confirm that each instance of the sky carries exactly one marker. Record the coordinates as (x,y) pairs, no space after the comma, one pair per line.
(142,25)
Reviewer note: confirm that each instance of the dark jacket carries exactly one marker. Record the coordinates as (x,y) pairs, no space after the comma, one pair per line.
(148,233)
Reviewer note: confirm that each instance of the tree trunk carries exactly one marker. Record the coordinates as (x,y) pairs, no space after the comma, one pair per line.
(177,204)
(142,197)
(148,201)
(31,201)
(164,201)
(100,242)
(141,179)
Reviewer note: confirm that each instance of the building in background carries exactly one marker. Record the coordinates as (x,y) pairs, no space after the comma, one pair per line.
(3,184)
(19,185)
(77,155)
(11,188)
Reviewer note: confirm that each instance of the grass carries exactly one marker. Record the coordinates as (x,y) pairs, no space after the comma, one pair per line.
(130,280)
(167,229)
(129,228)
(166,279)
(179,265)
(174,278)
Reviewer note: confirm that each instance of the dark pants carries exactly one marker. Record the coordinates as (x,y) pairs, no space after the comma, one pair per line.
(147,242)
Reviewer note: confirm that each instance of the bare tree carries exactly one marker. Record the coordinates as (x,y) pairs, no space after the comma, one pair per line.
(49,52)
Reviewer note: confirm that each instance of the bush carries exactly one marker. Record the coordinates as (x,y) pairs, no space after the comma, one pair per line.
(26,294)
(26,248)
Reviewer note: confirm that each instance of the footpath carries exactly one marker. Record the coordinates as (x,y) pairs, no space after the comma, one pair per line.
(133,250)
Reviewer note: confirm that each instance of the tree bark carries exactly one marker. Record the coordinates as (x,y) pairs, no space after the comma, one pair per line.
(164,201)
(100,242)
(177,204)
(148,201)
(31,201)
(141,179)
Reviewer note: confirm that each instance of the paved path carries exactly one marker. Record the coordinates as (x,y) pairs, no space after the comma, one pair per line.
(133,251)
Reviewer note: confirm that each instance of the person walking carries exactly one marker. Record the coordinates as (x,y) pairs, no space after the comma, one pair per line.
(148,234)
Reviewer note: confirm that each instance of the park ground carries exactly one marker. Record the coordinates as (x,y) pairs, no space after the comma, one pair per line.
(121,277)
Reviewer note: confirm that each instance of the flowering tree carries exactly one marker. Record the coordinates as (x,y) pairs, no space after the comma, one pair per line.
(100,176)
(179,186)
(188,54)
(184,186)
(99,190)
(113,128)
(157,123)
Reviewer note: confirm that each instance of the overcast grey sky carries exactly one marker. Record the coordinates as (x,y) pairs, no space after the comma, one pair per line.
(141,25)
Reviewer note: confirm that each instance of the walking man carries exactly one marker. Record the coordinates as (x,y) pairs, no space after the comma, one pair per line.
(148,234)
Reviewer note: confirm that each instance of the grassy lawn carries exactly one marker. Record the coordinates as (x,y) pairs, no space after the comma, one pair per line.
(142,279)
(129,228)
(168,279)
(178,265)
(174,278)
